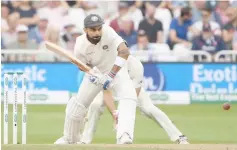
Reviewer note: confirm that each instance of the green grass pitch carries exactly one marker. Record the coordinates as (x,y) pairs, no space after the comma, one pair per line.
(201,123)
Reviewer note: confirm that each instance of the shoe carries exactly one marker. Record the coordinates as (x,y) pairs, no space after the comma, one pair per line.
(62,140)
(182,140)
(125,139)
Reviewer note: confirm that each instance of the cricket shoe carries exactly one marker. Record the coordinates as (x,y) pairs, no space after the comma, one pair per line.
(125,139)
(62,140)
(182,140)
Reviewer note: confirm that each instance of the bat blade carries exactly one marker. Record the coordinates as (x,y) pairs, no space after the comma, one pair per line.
(64,53)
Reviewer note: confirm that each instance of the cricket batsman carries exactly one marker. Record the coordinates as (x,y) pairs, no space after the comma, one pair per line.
(135,69)
(103,49)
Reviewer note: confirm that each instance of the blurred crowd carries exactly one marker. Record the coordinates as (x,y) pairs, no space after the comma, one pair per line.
(146,25)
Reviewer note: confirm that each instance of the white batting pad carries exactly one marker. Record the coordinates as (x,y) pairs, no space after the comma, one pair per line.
(75,114)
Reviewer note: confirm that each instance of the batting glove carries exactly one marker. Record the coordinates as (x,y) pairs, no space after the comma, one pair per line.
(96,76)
(102,80)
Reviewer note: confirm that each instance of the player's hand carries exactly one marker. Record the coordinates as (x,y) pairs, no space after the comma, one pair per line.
(96,76)
(101,80)
(105,81)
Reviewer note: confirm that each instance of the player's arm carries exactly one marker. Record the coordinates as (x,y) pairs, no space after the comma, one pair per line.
(121,59)
(123,53)
(109,102)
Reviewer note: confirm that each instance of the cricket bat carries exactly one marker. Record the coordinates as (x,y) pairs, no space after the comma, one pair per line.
(64,53)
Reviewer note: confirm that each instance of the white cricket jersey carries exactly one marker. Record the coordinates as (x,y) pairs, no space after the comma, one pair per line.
(103,54)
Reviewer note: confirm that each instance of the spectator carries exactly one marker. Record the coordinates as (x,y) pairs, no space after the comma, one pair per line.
(198,6)
(176,7)
(143,43)
(76,12)
(206,19)
(207,41)
(4,16)
(135,14)
(68,26)
(230,27)
(56,13)
(126,10)
(42,26)
(164,15)
(109,10)
(154,3)
(52,35)
(74,33)
(27,14)
(2,44)
(220,11)
(73,3)
(39,4)
(38,33)
(12,5)
(123,11)
(91,7)
(22,41)
(153,27)
(179,28)
(235,41)
(127,32)
(10,36)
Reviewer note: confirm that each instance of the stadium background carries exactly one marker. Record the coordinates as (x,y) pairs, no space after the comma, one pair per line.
(188,49)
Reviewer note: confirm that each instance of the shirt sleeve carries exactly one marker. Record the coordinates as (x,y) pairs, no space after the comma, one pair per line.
(77,51)
(141,26)
(160,26)
(116,39)
(173,24)
(221,45)
(34,12)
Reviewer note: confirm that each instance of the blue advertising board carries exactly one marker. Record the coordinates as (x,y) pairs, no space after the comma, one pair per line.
(49,76)
(196,78)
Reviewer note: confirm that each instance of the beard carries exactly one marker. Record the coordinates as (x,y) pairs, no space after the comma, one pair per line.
(94,40)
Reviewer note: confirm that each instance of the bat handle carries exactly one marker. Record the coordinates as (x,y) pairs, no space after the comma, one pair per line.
(92,72)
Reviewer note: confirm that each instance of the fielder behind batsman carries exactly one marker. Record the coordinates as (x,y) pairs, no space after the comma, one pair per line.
(144,103)
(102,48)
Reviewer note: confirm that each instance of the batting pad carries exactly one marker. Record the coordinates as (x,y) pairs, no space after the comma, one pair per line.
(75,114)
